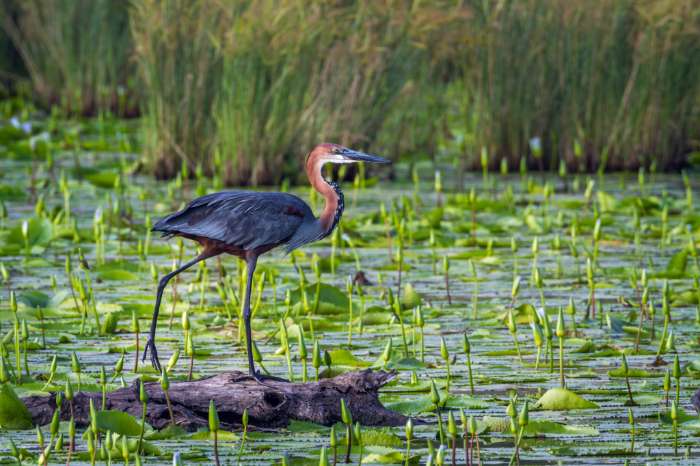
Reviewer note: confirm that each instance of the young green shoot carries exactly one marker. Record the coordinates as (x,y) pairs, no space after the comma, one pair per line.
(143,398)
(409,436)
(244,434)
(513,330)
(75,367)
(437,403)
(676,373)
(630,418)
(165,385)
(420,322)
(135,329)
(674,419)
(333,443)
(468,352)
(538,340)
(346,417)
(560,335)
(284,340)
(625,370)
(387,353)
(103,387)
(303,355)
(348,289)
(357,431)
(452,430)
(214,429)
(444,352)
(316,358)
(446,273)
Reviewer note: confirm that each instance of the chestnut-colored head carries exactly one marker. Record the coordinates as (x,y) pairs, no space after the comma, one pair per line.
(334,153)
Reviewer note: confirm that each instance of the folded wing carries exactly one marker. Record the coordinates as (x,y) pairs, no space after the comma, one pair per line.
(245,220)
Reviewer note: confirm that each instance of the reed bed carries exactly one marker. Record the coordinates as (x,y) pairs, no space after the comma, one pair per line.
(594,85)
(242,89)
(176,46)
(76,52)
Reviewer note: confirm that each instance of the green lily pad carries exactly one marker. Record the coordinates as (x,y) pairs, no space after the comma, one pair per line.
(39,233)
(561,399)
(341,357)
(537,428)
(633,372)
(119,422)
(13,413)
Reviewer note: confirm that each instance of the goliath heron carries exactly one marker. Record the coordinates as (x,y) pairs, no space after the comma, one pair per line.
(247,224)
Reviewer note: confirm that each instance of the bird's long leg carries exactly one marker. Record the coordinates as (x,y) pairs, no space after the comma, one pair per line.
(150,344)
(251,262)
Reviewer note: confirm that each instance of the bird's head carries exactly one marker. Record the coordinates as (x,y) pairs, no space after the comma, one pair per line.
(334,153)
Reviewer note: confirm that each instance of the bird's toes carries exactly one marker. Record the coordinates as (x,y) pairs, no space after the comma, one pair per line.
(155,362)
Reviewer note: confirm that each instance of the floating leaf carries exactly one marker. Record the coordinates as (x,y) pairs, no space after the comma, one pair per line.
(103,179)
(561,399)
(34,298)
(39,233)
(633,372)
(118,275)
(380,437)
(678,263)
(383,455)
(465,401)
(119,422)
(169,433)
(606,201)
(684,298)
(535,428)
(331,299)
(494,424)
(13,413)
(409,407)
(341,357)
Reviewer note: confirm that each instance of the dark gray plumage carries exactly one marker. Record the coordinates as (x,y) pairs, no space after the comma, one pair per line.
(233,218)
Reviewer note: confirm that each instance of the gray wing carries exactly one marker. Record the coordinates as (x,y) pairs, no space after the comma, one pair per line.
(243,219)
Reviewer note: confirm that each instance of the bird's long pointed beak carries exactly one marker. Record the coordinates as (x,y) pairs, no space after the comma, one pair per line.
(362,157)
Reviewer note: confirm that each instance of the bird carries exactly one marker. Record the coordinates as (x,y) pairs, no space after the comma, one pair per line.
(247,224)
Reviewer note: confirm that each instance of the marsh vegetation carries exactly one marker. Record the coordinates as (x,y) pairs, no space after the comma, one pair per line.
(555,317)
(528,267)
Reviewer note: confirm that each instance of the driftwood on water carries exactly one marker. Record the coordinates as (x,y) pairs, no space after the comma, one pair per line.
(272,405)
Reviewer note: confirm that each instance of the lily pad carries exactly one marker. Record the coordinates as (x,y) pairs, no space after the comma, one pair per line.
(562,399)
(119,422)
(341,357)
(13,413)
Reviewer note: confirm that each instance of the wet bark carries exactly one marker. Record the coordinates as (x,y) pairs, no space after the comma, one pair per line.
(272,404)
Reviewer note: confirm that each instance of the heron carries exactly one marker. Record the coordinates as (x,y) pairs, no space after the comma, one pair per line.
(247,224)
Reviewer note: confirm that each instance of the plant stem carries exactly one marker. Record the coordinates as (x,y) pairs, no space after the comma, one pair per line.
(216,448)
(561,363)
(170,407)
(469,369)
(348,434)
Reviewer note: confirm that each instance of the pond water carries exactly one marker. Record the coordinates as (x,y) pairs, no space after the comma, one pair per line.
(647,225)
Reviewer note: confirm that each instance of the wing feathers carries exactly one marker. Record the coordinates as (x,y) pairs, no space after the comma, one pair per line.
(247,220)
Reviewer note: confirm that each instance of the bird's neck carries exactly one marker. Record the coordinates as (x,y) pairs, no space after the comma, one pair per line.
(333,210)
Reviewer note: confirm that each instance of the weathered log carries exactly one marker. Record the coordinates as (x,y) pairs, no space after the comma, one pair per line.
(270,405)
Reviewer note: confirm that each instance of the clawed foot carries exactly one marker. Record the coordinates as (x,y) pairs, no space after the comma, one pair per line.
(155,362)
(261,378)
(258,376)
